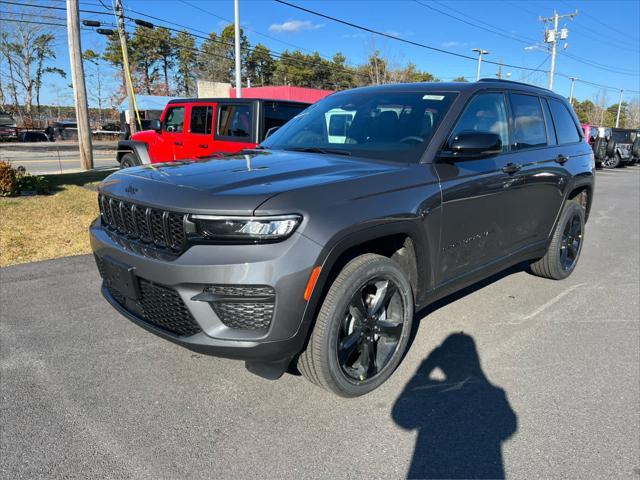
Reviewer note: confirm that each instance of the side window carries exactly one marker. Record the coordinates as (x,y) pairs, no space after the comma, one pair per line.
(234,121)
(551,131)
(200,120)
(487,112)
(174,120)
(277,114)
(528,122)
(566,127)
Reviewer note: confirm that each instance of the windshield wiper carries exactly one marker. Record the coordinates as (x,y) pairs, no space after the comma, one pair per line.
(325,151)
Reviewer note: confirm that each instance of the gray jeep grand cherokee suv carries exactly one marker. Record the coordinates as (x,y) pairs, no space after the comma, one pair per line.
(318,246)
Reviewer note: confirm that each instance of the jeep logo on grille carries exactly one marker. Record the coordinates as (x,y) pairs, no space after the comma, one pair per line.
(131,190)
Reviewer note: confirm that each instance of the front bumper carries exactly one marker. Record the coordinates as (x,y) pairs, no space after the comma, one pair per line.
(284,266)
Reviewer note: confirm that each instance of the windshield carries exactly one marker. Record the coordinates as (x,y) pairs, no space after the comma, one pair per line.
(395,126)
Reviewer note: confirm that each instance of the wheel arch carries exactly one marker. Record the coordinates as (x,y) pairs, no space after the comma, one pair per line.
(139,149)
(402,241)
(582,192)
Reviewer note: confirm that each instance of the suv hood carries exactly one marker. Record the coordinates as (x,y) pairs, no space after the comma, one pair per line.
(235,185)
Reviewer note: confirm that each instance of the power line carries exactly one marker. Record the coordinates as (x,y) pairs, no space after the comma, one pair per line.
(32,15)
(524,40)
(33,22)
(399,39)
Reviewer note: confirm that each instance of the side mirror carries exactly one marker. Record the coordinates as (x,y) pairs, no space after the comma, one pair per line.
(270,132)
(156,125)
(472,145)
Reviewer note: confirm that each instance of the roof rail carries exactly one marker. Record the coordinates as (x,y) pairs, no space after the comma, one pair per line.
(510,81)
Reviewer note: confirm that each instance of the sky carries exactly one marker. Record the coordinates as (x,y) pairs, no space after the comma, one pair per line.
(603,34)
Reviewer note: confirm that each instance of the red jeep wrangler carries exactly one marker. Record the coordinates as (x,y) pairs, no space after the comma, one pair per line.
(199,127)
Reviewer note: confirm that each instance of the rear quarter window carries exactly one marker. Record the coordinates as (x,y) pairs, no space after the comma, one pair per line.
(277,114)
(566,128)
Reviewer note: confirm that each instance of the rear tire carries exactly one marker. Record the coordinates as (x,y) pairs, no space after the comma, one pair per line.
(566,244)
(128,160)
(362,329)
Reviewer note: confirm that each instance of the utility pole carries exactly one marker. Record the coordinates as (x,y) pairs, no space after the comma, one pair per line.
(125,71)
(79,87)
(499,72)
(573,81)
(237,48)
(480,54)
(619,108)
(552,37)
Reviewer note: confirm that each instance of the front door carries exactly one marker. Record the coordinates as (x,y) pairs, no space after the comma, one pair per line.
(173,133)
(474,231)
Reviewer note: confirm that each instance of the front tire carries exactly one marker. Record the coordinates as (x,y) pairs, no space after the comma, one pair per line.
(128,160)
(362,329)
(566,244)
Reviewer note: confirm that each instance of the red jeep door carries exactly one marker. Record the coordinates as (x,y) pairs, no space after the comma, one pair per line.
(198,141)
(236,127)
(173,133)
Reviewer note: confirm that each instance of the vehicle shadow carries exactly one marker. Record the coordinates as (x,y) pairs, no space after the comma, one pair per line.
(461,418)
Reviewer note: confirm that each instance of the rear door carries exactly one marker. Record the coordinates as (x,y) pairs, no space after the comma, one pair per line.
(535,190)
(236,126)
(198,141)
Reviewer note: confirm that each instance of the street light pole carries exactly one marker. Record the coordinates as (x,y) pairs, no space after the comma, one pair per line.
(480,54)
(237,48)
(573,81)
(619,108)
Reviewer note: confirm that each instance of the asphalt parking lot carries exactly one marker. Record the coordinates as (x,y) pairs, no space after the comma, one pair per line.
(542,380)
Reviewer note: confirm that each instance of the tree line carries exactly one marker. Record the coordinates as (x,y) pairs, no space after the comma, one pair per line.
(164,63)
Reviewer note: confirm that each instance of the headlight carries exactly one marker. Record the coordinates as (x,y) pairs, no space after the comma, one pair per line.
(245,229)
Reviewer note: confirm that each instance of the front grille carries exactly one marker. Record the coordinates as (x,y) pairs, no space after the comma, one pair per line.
(161,228)
(246,307)
(158,305)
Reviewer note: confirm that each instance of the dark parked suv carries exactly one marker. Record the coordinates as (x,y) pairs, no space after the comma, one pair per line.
(318,246)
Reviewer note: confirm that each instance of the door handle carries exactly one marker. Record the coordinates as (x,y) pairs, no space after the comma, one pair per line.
(203,145)
(178,143)
(511,168)
(562,159)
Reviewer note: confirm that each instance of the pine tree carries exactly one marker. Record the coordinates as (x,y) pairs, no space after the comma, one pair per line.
(186,63)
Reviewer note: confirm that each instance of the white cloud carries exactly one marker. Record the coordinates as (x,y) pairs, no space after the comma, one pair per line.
(393,33)
(295,26)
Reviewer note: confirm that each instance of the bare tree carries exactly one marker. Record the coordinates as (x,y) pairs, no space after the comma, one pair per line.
(26,48)
(634,113)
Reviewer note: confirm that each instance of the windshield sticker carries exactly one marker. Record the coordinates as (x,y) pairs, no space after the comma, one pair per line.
(433,97)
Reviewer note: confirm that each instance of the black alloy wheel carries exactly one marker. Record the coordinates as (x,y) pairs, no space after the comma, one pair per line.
(362,329)
(571,243)
(371,329)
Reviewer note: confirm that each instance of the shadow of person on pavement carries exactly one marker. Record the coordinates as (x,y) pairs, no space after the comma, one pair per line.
(461,418)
